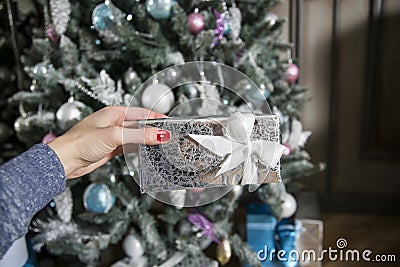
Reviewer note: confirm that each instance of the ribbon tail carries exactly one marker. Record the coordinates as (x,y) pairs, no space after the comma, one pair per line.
(232,160)
(217,144)
(249,172)
(269,153)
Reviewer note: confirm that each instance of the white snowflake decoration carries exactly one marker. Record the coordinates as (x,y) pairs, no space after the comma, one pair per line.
(105,89)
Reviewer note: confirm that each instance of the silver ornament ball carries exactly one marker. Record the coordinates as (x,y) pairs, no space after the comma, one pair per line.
(170,75)
(131,80)
(22,124)
(70,113)
(158,97)
(40,68)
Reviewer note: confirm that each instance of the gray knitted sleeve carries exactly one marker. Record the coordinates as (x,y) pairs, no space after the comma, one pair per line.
(27,183)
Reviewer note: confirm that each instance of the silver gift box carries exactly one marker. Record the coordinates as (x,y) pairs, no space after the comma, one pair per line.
(184,164)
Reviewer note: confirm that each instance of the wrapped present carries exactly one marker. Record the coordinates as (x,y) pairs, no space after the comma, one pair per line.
(212,152)
(260,228)
(287,232)
(310,239)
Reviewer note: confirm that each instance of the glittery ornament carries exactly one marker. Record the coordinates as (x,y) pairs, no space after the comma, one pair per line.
(292,73)
(159,9)
(196,23)
(48,138)
(133,246)
(52,34)
(70,113)
(98,198)
(224,252)
(158,97)
(102,17)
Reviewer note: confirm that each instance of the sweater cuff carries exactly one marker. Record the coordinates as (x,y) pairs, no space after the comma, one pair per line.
(41,178)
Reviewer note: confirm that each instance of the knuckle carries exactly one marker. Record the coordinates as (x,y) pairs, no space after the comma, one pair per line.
(115,134)
(148,136)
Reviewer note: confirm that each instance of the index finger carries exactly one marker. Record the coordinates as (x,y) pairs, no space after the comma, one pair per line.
(135,113)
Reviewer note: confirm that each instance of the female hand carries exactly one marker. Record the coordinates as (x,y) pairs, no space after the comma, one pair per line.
(99,137)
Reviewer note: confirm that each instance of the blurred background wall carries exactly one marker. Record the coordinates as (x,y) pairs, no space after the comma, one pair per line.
(349,55)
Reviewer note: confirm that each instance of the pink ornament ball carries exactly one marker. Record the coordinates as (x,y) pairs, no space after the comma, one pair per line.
(288,150)
(196,23)
(48,138)
(292,73)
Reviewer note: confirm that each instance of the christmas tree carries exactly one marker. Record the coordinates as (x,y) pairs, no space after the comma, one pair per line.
(15,34)
(93,54)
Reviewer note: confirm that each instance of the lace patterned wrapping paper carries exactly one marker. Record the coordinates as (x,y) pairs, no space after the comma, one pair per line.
(184,164)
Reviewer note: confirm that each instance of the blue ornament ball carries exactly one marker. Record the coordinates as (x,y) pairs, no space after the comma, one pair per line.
(98,198)
(159,9)
(102,17)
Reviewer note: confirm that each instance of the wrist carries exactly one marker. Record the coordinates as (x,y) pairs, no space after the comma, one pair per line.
(65,152)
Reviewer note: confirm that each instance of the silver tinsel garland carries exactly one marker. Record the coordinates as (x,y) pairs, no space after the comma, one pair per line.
(60,11)
(64,205)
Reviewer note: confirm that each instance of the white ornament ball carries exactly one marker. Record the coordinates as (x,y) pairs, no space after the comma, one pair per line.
(71,113)
(289,206)
(158,97)
(133,246)
(271,18)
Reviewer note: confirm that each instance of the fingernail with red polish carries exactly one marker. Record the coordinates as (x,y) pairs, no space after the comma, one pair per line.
(163,135)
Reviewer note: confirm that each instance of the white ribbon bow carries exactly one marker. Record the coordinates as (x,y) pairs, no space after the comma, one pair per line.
(238,148)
